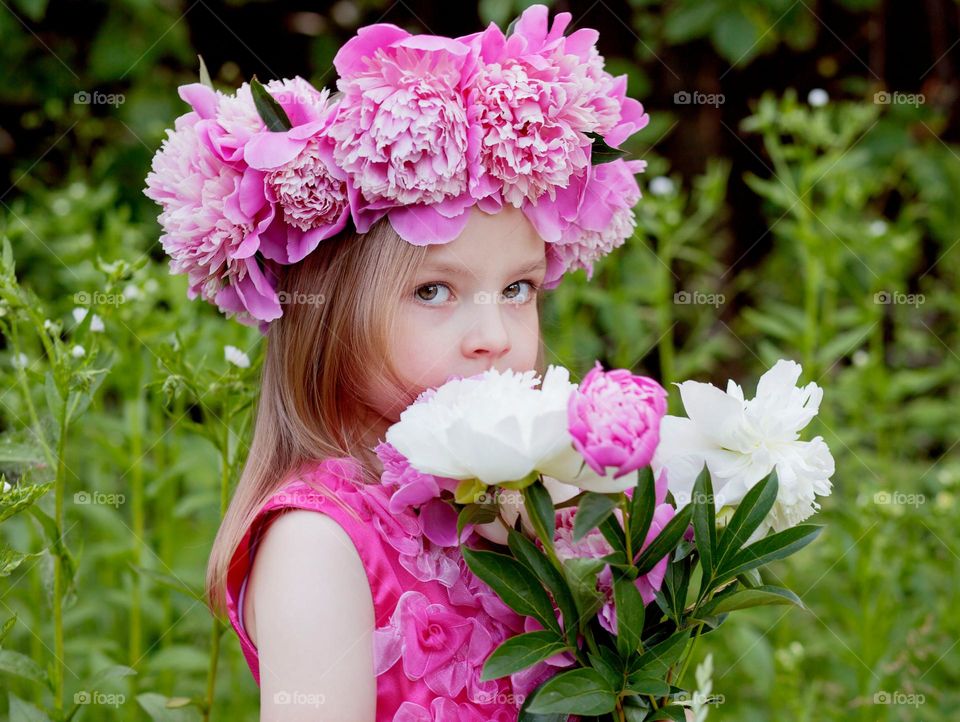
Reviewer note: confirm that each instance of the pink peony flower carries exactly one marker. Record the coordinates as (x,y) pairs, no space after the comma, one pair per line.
(535,96)
(614,419)
(300,177)
(211,231)
(605,220)
(401,131)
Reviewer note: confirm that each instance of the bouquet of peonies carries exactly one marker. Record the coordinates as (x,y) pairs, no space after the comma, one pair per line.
(626,534)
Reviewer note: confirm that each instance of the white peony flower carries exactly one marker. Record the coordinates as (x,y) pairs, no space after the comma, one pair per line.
(498,427)
(742,440)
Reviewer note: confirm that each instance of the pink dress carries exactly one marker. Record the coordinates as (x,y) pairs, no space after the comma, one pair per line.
(435,621)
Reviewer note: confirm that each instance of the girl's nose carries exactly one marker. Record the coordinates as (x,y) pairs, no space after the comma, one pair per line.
(487,335)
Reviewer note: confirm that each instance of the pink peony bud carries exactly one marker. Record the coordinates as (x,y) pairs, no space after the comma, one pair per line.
(614,419)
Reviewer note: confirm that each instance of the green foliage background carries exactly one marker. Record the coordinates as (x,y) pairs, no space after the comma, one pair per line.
(770,227)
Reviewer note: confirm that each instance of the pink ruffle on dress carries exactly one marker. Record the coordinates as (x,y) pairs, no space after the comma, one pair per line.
(436,623)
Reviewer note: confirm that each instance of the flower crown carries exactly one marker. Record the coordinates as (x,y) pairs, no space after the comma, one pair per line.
(423,128)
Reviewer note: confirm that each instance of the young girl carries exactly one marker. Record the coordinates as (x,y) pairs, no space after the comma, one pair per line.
(385,240)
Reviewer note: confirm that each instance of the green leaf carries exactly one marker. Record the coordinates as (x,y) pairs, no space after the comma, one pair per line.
(204,73)
(600,152)
(540,509)
(270,111)
(704,521)
(658,659)
(527,553)
(512,582)
(613,533)
(580,691)
(520,652)
(639,683)
(776,546)
(673,712)
(10,559)
(642,505)
(18,664)
(749,515)
(753,597)
(475,514)
(581,574)
(630,612)
(22,711)
(21,497)
(592,510)
(666,540)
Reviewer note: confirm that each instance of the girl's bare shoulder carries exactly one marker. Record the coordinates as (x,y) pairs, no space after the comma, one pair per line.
(303,553)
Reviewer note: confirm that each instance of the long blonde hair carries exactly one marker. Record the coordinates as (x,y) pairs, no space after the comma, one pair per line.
(334,335)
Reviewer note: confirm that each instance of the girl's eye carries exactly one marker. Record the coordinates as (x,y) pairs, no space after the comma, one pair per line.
(431,294)
(516,296)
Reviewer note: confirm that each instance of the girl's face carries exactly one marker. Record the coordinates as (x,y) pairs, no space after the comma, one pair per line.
(471,307)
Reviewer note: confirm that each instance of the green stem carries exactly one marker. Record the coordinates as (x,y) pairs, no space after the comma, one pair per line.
(137,512)
(688,654)
(58,580)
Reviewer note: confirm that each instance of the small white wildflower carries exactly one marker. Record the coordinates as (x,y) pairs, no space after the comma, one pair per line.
(818,97)
(132,292)
(878,228)
(96,323)
(235,356)
(20,361)
(860,358)
(78,351)
(661,186)
(47,324)
(6,487)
